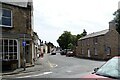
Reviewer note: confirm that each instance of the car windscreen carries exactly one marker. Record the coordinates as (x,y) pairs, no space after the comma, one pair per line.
(110,68)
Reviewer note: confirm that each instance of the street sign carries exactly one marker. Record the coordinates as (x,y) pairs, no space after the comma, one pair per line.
(24,43)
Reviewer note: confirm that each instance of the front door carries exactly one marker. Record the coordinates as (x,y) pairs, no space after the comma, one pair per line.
(89,53)
(27,52)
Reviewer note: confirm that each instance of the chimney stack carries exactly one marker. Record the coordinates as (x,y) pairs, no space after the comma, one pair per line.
(112,25)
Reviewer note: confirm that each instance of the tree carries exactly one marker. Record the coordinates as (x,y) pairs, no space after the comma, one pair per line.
(70,46)
(82,34)
(65,39)
(69,41)
(50,44)
(117,19)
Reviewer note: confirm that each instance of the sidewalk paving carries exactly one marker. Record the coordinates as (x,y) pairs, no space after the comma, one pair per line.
(39,65)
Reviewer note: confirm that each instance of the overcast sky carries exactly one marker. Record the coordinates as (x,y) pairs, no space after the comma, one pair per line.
(53,17)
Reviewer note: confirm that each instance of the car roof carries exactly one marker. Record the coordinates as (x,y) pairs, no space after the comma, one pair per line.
(117,56)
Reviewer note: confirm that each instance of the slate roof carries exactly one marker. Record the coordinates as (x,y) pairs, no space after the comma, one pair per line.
(20,3)
(95,34)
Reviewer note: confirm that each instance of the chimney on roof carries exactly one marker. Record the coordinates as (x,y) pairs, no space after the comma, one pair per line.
(112,25)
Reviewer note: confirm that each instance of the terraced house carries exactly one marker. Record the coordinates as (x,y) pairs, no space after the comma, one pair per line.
(17,33)
(100,45)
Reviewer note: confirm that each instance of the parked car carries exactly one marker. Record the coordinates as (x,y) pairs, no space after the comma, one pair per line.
(63,52)
(70,53)
(108,71)
(53,53)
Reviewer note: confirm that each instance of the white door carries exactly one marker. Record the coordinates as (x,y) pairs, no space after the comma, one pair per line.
(88,52)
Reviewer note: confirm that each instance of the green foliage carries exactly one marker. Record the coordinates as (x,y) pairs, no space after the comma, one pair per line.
(50,44)
(117,20)
(82,34)
(70,46)
(69,41)
(65,39)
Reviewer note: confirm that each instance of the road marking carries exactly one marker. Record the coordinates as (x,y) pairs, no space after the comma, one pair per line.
(35,75)
(52,65)
(69,71)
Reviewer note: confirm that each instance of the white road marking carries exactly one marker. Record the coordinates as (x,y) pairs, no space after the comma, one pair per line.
(55,65)
(69,71)
(35,75)
(52,65)
(0,77)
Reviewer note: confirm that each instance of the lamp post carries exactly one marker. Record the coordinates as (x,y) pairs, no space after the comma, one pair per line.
(24,59)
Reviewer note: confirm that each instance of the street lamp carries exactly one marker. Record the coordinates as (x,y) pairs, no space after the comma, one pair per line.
(24,60)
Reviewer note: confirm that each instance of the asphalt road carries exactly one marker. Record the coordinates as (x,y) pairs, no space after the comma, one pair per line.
(58,66)
(70,67)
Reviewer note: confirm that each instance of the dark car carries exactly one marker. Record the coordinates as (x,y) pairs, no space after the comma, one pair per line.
(70,53)
(53,53)
(63,52)
(109,71)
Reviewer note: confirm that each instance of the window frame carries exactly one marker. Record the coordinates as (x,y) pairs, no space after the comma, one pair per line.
(82,51)
(108,51)
(11,18)
(13,53)
(88,41)
(95,40)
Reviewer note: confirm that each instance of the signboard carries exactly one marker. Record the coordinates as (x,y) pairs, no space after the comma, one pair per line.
(24,43)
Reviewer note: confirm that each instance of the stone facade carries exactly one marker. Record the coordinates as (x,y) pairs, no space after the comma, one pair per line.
(101,45)
(19,31)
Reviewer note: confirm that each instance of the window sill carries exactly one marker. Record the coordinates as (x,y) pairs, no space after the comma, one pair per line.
(3,26)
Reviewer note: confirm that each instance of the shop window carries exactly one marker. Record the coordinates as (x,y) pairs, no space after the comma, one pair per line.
(9,49)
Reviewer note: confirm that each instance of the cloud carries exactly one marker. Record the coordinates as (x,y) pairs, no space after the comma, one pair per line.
(52,17)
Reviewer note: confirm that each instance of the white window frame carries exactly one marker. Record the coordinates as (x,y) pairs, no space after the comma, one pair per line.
(1,25)
(3,53)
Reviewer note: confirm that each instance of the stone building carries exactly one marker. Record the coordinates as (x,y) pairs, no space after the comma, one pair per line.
(37,43)
(100,45)
(17,34)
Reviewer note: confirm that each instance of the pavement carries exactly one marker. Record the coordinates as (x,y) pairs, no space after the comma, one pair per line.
(39,65)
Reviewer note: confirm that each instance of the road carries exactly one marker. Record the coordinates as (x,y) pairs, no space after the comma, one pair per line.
(58,66)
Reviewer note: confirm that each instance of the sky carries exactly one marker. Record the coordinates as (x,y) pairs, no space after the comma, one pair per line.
(53,17)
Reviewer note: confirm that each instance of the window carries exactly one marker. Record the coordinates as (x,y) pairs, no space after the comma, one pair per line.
(108,50)
(82,42)
(9,49)
(88,42)
(95,51)
(6,19)
(95,40)
(82,51)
